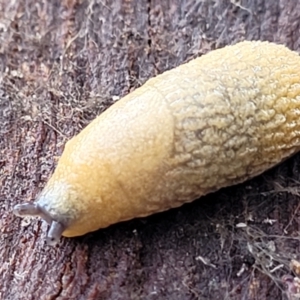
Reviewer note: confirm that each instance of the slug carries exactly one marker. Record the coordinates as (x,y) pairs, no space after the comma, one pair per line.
(213,122)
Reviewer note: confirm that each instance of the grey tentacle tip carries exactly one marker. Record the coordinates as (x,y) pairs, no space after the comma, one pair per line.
(26,209)
(55,233)
(34,209)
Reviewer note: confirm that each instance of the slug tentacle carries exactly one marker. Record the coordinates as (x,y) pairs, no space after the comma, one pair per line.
(55,233)
(26,209)
(34,209)
(31,209)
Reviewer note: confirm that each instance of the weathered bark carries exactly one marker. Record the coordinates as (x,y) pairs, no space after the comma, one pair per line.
(64,62)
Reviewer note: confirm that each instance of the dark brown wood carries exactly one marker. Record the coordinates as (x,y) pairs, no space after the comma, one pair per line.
(61,64)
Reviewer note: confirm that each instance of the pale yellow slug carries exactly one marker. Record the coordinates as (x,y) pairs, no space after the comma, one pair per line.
(210,123)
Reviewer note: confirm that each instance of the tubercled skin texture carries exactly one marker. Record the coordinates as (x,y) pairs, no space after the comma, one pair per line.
(214,122)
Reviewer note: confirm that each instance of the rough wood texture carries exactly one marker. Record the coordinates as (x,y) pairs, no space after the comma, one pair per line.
(62,63)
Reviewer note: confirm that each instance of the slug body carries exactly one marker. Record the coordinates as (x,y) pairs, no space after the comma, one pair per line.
(213,122)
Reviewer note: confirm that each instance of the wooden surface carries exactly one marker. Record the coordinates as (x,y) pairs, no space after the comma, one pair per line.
(61,64)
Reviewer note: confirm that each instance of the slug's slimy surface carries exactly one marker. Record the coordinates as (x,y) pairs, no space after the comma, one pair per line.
(213,122)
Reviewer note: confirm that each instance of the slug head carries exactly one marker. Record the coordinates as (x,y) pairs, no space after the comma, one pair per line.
(52,206)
